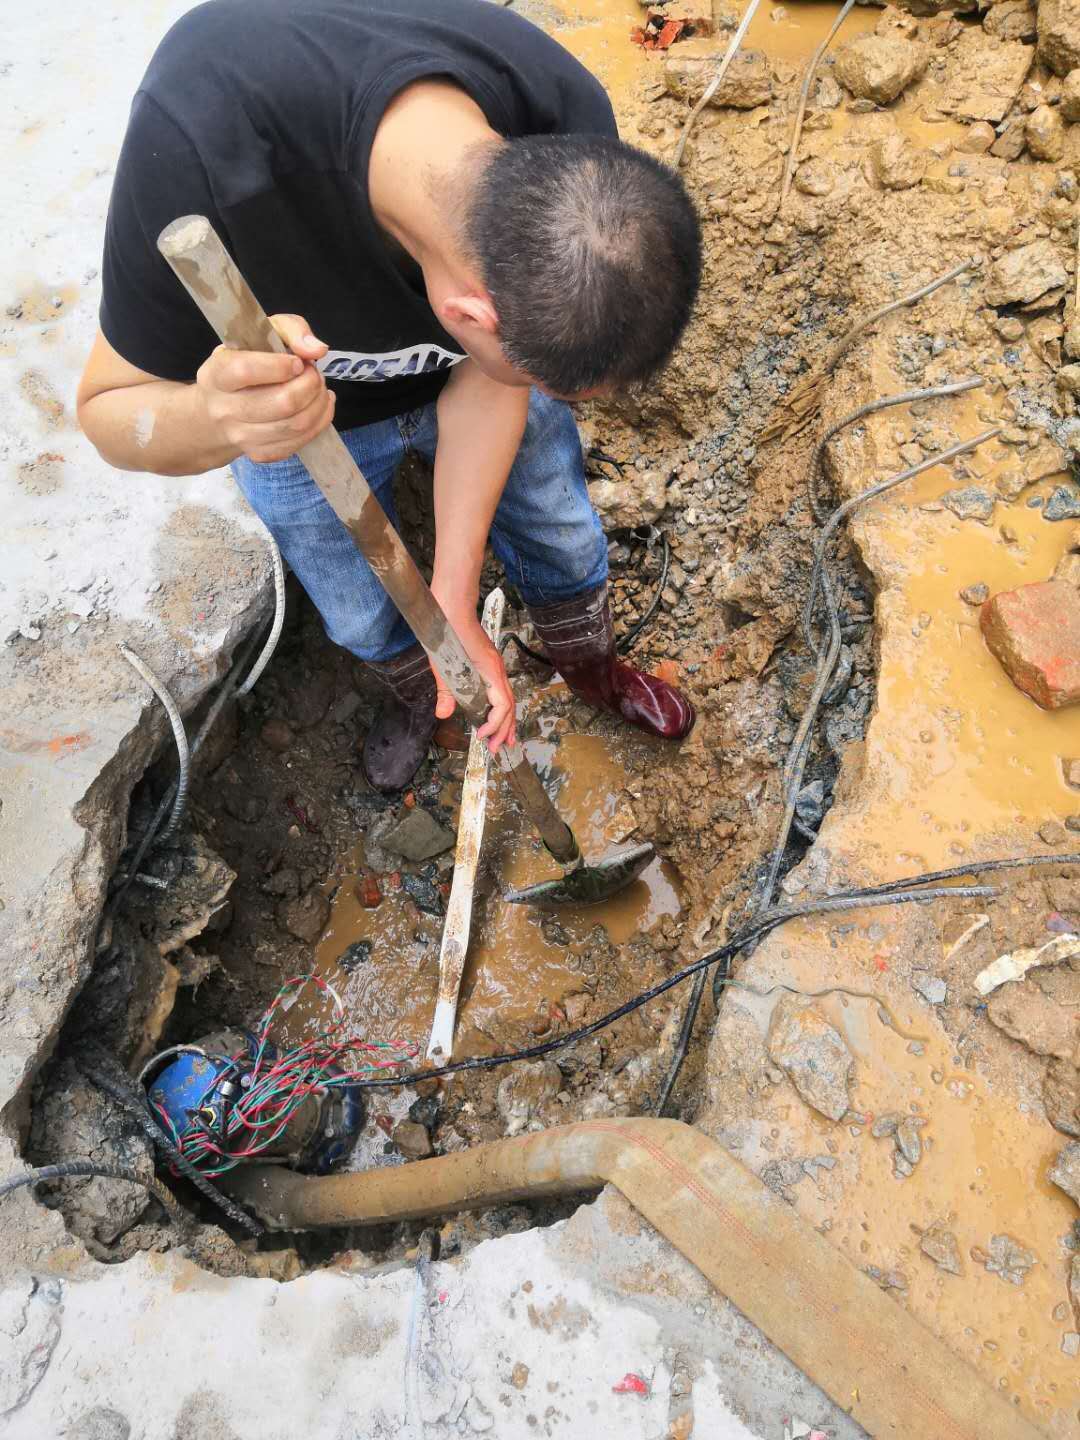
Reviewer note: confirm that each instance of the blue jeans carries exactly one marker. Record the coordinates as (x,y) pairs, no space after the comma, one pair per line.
(545,532)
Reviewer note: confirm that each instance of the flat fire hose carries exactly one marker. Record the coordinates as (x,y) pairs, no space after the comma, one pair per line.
(876,1360)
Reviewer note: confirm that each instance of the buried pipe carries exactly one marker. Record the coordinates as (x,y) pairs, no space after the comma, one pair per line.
(876,1361)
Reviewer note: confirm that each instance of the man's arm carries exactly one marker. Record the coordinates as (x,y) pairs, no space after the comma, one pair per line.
(240,403)
(480,427)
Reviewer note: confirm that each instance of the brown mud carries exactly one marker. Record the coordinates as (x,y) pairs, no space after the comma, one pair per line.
(925,755)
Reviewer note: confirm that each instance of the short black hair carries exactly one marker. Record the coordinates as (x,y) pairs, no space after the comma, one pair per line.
(591,252)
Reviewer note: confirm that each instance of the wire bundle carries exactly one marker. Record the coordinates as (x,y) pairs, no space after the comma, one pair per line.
(274,1086)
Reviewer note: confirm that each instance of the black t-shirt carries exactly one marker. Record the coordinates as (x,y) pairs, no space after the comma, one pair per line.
(260,114)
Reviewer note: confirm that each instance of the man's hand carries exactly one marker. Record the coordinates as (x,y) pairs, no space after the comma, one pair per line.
(242,403)
(267,406)
(500,728)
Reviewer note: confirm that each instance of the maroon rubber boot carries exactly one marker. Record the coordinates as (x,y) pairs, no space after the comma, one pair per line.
(399,738)
(578,638)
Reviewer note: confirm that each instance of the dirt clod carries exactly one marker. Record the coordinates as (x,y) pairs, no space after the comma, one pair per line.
(306,916)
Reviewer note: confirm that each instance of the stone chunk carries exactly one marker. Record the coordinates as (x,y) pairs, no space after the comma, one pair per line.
(970,503)
(976,594)
(418,836)
(1065,1171)
(1035,633)
(1063,504)
(813,1056)
(984,77)
(1070,97)
(306,916)
(1059,35)
(1022,275)
(1074,1286)
(636,499)
(940,1246)
(747,84)
(1044,131)
(931,987)
(1061,1096)
(1009,1259)
(978,139)
(879,67)
(895,163)
(412,1140)
(1011,20)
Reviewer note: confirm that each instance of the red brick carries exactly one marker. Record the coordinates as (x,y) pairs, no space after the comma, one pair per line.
(1035,633)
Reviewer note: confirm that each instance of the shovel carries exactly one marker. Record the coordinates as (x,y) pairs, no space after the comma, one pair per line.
(206,270)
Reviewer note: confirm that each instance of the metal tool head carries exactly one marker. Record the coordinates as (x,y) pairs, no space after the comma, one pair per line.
(587,884)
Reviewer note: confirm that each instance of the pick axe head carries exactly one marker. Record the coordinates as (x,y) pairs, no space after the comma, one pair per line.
(587,884)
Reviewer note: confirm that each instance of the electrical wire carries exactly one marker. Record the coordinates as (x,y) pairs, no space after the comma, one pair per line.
(267,654)
(172,710)
(108,1075)
(73,1169)
(624,643)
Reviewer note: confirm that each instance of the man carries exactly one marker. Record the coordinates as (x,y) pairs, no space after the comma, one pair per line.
(435,189)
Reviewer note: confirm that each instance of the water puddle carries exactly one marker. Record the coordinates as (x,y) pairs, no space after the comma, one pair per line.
(383,962)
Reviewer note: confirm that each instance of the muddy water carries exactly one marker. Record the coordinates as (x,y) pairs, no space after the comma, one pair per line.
(957,753)
(982,1173)
(518,967)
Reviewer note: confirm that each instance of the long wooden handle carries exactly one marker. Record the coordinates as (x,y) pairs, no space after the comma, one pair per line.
(210,276)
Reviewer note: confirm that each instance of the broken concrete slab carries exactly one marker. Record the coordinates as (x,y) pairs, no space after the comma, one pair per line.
(984,78)
(1035,633)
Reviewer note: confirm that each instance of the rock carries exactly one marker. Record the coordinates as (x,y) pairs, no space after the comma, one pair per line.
(368,891)
(1070,1344)
(242,805)
(1009,145)
(1061,1096)
(638,498)
(895,163)
(306,916)
(970,503)
(1070,97)
(1024,1012)
(812,1054)
(277,736)
(424,893)
(931,987)
(1035,633)
(907,1139)
(418,836)
(1044,131)
(815,177)
(1023,275)
(1059,35)
(1068,568)
(521,1093)
(978,138)
(902,1166)
(1065,1171)
(412,1140)
(309,702)
(885,1125)
(425,1111)
(1074,1286)
(747,84)
(1009,1259)
(976,594)
(284,882)
(1070,770)
(984,77)
(1063,504)
(357,954)
(828,94)
(940,1246)
(1068,379)
(879,67)
(1011,20)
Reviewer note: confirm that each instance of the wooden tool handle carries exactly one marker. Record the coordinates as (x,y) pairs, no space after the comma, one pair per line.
(210,276)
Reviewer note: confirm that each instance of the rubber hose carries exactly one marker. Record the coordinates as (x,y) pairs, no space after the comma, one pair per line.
(876,1361)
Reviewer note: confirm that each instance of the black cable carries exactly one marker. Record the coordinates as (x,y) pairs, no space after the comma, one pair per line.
(623,644)
(69,1169)
(119,1086)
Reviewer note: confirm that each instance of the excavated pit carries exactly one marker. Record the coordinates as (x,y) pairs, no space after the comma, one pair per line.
(941,757)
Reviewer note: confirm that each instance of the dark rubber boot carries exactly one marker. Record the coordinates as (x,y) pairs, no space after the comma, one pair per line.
(399,738)
(578,638)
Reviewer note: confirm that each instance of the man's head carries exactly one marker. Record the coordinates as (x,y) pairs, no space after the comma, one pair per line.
(589,257)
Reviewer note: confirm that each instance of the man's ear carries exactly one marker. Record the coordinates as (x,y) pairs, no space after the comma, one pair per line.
(470,310)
